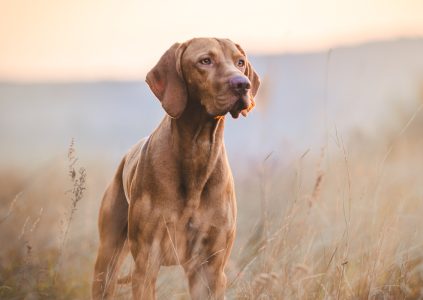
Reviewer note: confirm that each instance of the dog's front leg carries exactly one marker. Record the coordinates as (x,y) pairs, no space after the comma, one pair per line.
(207,282)
(145,274)
(205,270)
(145,240)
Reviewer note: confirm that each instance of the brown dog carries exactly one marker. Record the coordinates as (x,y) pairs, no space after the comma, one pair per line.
(173,194)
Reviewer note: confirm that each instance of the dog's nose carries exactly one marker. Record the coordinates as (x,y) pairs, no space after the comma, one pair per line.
(239,83)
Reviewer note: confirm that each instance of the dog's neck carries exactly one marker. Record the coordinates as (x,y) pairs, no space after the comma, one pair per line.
(198,145)
(197,130)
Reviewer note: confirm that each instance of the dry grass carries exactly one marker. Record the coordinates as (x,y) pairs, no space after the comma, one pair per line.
(342,222)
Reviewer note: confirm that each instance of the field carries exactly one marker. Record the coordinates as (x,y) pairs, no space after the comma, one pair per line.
(343,221)
(327,167)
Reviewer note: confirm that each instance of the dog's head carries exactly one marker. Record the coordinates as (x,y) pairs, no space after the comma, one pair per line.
(213,72)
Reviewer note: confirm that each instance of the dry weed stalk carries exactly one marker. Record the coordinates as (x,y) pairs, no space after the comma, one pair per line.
(315,195)
(28,272)
(11,207)
(78,179)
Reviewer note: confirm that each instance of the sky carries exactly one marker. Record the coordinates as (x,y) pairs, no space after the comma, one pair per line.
(59,40)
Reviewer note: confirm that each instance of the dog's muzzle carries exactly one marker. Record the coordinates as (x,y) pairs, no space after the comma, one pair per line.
(240,85)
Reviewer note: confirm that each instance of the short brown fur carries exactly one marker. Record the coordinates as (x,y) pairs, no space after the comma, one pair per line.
(172,199)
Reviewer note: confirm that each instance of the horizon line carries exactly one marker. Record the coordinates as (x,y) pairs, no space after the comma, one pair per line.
(140,77)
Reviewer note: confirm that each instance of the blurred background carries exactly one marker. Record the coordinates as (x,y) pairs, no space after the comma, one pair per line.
(328,166)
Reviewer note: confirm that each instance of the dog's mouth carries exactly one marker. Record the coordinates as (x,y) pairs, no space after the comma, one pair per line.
(235,104)
(240,107)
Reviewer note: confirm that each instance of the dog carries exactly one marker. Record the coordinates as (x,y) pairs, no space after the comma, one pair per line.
(172,199)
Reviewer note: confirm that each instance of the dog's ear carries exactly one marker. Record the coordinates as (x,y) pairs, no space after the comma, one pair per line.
(254,79)
(167,83)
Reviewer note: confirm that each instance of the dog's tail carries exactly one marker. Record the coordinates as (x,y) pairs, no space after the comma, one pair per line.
(125,279)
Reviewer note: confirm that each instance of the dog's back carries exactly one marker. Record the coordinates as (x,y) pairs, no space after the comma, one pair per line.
(131,161)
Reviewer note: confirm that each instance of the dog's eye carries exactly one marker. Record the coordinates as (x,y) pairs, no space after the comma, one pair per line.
(206,61)
(241,63)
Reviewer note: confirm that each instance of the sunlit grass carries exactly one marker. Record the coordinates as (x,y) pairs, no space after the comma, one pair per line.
(341,222)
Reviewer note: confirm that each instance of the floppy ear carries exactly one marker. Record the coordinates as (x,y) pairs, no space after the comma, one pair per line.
(255,82)
(254,79)
(166,81)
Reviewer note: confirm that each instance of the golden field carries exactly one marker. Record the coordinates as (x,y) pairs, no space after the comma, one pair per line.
(343,221)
